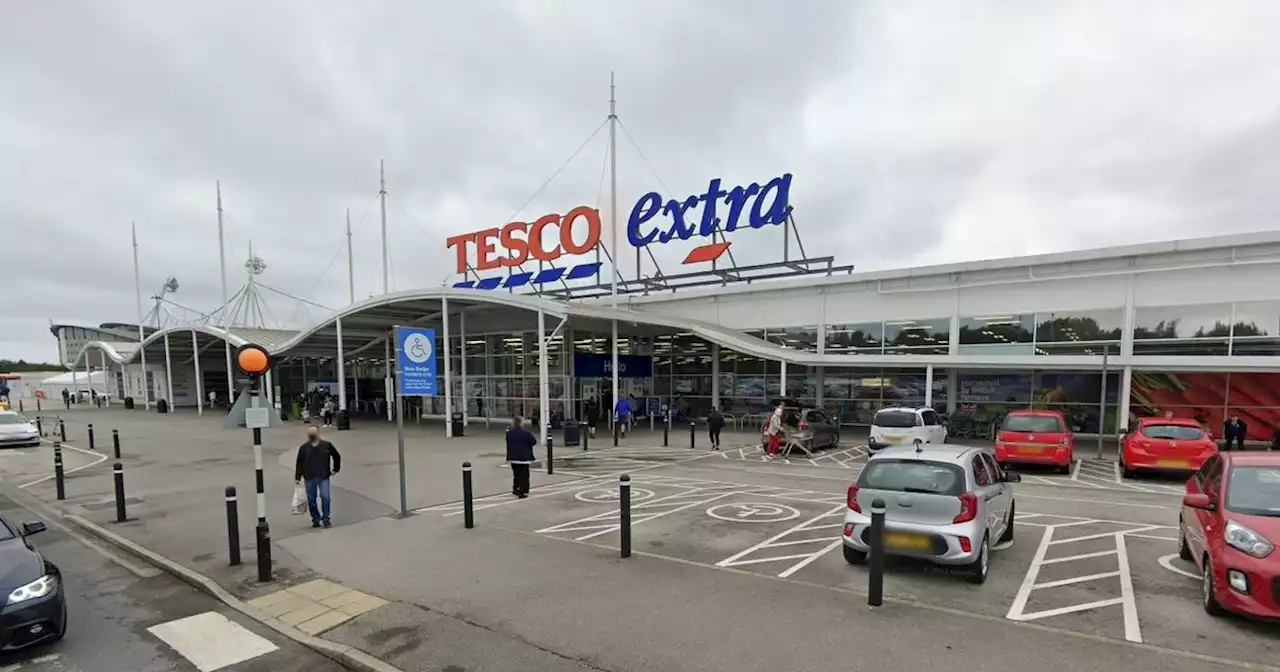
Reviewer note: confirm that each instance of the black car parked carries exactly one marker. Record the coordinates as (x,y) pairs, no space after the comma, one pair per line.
(35,609)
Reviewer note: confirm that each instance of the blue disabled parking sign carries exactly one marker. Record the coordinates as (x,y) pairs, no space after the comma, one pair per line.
(417,360)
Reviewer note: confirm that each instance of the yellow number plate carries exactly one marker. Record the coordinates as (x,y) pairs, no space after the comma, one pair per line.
(1033,450)
(893,439)
(913,542)
(1173,464)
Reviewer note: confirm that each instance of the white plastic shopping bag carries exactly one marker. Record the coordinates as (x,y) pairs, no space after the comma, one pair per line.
(299,500)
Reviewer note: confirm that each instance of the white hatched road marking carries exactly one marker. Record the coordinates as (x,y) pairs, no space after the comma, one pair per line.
(99,459)
(609,521)
(38,661)
(210,641)
(815,524)
(1030,584)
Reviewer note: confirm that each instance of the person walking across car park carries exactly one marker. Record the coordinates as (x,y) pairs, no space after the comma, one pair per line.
(774,432)
(592,412)
(520,443)
(1234,429)
(66,397)
(317,461)
(715,423)
(326,412)
(622,413)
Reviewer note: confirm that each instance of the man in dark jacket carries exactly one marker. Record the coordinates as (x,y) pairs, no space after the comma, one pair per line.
(1234,430)
(315,457)
(593,415)
(520,443)
(715,423)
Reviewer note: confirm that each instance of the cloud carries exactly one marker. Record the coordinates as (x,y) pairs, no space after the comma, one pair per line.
(917,132)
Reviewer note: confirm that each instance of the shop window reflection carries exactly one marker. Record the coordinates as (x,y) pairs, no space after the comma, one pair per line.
(1255,331)
(924,336)
(1203,329)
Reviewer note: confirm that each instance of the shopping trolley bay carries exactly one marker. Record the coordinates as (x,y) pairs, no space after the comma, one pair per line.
(1092,553)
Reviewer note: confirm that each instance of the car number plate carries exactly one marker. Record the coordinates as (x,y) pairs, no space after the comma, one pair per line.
(1031,450)
(903,540)
(893,439)
(1173,464)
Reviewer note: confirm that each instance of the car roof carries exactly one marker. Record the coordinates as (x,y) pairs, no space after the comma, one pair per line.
(1252,459)
(930,452)
(1036,411)
(908,409)
(1185,422)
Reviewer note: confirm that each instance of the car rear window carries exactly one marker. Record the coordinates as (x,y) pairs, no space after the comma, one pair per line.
(894,419)
(1254,491)
(941,478)
(1044,424)
(1172,432)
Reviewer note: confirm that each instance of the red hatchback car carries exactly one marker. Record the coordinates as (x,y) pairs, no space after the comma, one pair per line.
(1229,526)
(1035,437)
(1165,444)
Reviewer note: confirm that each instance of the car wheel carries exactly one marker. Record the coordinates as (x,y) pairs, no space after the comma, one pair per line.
(835,440)
(853,556)
(981,566)
(1008,528)
(1124,468)
(1064,469)
(1184,551)
(1210,602)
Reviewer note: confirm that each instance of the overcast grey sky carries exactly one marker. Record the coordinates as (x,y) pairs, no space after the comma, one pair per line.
(918,132)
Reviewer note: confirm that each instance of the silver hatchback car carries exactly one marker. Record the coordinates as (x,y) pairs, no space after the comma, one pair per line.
(948,504)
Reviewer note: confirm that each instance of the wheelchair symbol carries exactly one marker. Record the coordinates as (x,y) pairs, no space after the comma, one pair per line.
(753,512)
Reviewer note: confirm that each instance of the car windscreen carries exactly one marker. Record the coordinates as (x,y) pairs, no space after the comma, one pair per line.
(12,419)
(1032,424)
(894,419)
(922,476)
(6,533)
(1254,491)
(1172,432)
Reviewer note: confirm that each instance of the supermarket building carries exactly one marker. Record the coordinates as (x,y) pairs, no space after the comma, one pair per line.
(1190,326)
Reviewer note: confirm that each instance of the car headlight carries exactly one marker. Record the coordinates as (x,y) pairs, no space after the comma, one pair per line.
(38,588)
(1246,540)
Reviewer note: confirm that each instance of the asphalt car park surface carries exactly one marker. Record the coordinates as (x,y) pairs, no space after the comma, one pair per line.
(1093,552)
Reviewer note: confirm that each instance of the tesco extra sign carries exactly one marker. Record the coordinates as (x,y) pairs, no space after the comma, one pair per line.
(653,219)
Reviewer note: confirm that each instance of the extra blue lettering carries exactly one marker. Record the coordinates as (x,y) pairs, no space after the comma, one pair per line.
(737,199)
(641,212)
(779,209)
(679,229)
(709,219)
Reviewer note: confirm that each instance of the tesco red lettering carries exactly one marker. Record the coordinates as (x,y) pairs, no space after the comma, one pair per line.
(520,240)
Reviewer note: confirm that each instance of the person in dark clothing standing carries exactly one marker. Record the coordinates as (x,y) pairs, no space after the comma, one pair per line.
(520,443)
(593,416)
(1234,429)
(315,457)
(715,423)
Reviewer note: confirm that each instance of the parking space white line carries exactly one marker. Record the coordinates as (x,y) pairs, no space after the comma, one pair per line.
(812,556)
(1089,537)
(1151,536)
(809,525)
(1132,628)
(1166,561)
(754,561)
(100,459)
(1029,580)
(1069,610)
(1075,579)
(1082,556)
(1096,501)
(797,542)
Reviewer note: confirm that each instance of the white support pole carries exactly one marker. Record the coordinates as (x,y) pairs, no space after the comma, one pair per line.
(341,365)
(448,369)
(88,374)
(1126,388)
(137,290)
(544,386)
(75,382)
(462,358)
(195,358)
(271,389)
(168,373)
(715,375)
(783,379)
(355,385)
(386,379)
(109,389)
(928,385)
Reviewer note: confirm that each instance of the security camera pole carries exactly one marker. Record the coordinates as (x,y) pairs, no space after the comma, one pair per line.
(254,362)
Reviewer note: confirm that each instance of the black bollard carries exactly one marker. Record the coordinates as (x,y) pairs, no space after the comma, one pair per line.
(20,408)
(91,443)
(39,425)
(57,471)
(586,434)
(550,461)
(233,525)
(263,535)
(875,582)
(62,430)
(666,427)
(615,433)
(624,513)
(468,511)
(38,409)
(693,434)
(118,470)
(115,441)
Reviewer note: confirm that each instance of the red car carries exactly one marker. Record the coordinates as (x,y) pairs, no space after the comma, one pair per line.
(1229,526)
(1035,437)
(1165,444)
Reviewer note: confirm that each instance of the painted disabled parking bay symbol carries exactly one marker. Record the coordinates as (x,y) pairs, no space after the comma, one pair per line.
(753,512)
(610,495)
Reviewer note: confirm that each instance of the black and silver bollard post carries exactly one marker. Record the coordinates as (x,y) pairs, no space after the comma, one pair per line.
(117,469)
(115,442)
(233,525)
(40,425)
(693,434)
(586,434)
(92,445)
(624,513)
(875,582)
(20,408)
(262,535)
(550,461)
(57,471)
(616,427)
(62,430)
(666,428)
(38,408)
(468,511)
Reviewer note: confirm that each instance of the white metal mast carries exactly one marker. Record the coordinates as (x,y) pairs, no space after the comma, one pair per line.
(137,294)
(351,266)
(222,315)
(382,198)
(613,224)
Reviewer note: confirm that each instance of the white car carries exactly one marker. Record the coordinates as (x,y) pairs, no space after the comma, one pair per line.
(897,426)
(15,430)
